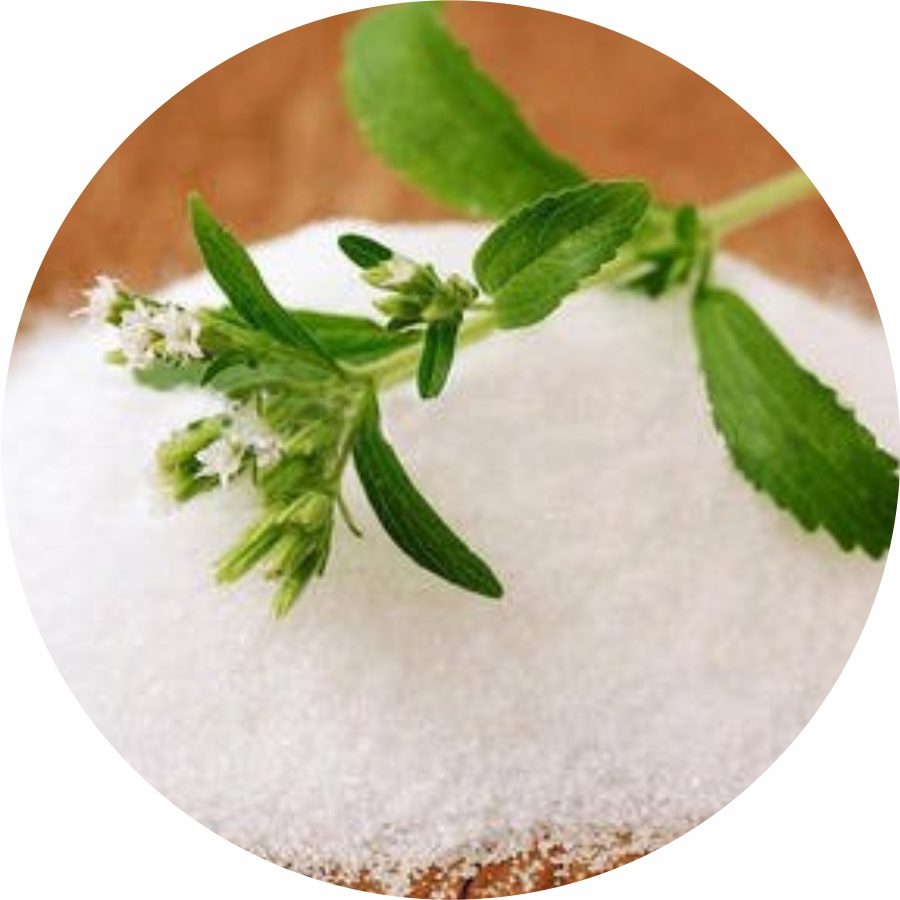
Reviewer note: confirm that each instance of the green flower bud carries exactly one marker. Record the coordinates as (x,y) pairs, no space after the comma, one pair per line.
(183,446)
(312,511)
(400,308)
(396,273)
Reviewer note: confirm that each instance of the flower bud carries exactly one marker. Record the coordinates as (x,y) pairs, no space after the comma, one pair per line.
(396,273)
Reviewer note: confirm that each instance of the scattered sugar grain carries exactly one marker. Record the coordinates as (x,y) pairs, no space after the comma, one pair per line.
(665,634)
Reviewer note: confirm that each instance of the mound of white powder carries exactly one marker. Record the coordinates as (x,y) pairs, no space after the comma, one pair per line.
(665,634)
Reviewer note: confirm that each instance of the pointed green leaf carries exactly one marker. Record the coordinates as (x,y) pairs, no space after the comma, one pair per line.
(530,262)
(424,108)
(409,519)
(438,351)
(354,340)
(787,432)
(235,273)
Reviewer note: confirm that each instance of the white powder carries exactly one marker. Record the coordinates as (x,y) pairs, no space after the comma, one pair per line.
(665,634)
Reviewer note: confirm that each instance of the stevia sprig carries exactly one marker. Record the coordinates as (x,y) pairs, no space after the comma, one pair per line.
(300,388)
(297,407)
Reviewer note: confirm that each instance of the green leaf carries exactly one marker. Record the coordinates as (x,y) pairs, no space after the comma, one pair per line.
(541,253)
(408,518)
(242,379)
(354,340)
(220,364)
(235,273)
(787,432)
(423,107)
(363,251)
(437,356)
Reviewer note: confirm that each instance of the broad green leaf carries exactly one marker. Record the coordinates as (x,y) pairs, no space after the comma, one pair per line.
(788,433)
(424,108)
(530,262)
(235,273)
(438,351)
(408,518)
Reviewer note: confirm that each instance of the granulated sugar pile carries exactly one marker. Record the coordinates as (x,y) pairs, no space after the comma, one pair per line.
(665,634)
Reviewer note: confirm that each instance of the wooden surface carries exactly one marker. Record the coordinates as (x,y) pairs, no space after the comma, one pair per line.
(266,138)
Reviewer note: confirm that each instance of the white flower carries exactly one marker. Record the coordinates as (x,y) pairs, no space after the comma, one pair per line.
(252,432)
(180,330)
(136,335)
(221,459)
(267,452)
(100,299)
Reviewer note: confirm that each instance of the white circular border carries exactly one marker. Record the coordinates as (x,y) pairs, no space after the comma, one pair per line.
(77,79)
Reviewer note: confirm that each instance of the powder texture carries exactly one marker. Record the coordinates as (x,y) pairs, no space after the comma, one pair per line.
(665,634)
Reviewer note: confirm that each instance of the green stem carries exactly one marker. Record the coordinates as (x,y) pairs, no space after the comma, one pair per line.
(403,364)
(721,218)
(758,202)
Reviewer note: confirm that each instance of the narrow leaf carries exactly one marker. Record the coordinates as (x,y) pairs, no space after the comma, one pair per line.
(235,273)
(354,340)
(424,108)
(438,351)
(409,519)
(787,432)
(530,262)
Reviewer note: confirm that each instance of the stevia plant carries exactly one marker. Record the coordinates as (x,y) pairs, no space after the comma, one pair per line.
(300,388)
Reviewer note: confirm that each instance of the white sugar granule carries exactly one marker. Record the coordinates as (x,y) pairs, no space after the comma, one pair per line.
(666,631)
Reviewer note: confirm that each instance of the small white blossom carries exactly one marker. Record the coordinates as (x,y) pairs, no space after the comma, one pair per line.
(267,452)
(180,330)
(221,459)
(100,299)
(137,335)
(252,432)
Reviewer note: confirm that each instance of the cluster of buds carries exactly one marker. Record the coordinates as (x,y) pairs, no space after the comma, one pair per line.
(292,538)
(417,294)
(297,473)
(212,451)
(148,331)
(292,446)
(672,248)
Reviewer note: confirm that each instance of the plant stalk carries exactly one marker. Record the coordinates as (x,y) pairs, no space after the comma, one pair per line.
(721,218)
(758,202)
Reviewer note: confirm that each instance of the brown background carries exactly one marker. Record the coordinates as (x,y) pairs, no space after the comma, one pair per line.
(266,139)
